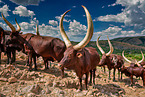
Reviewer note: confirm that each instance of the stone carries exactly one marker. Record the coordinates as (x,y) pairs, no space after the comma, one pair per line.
(31,95)
(35,88)
(12,80)
(23,77)
(4,79)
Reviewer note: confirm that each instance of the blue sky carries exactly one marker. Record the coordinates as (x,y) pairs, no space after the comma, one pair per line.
(115,18)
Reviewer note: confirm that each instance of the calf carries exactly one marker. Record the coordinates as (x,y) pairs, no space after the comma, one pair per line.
(79,58)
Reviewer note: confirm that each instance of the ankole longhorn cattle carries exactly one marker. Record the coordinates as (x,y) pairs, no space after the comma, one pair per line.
(9,46)
(135,69)
(45,46)
(107,59)
(79,58)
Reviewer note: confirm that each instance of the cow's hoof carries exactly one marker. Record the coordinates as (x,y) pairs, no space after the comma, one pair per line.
(30,69)
(90,83)
(114,80)
(35,69)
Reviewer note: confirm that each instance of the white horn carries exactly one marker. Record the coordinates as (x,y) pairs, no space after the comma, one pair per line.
(63,34)
(37,30)
(97,42)
(8,23)
(89,34)
(18,26)
(142,58)
(111,48)
(125,57)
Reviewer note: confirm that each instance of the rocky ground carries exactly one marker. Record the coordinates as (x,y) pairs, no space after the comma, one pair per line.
(17,81)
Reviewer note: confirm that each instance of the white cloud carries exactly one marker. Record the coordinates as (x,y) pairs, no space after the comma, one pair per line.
(23,11)
(5,10)
(65,20)
(54,23)
(132,15)
(26,2)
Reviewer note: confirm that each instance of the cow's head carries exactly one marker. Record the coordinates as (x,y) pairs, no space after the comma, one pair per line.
(15,35)
(13,29)
(105,56)
(74,53)
(132,63)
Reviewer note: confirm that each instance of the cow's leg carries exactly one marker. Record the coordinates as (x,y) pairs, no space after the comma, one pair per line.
(86,80)
(30,62)
(80,84)
(34,59)
(143,79)
(8,57)
(131,79)
(27,61)
(118,74)
(104,69)
(13,56)
(114,74)
(90,77)
(0,57)
(62,72)
(121,75)
(94,70)
(109,75)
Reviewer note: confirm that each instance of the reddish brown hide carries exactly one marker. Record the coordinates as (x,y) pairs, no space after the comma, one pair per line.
(45,46)
(9,46)
(79,58)
(134,71)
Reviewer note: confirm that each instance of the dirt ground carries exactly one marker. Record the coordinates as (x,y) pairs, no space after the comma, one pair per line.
(17,81)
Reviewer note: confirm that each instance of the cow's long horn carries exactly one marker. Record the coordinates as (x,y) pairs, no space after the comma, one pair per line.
(137,63)
(125,57)
(89,34)
(101,50)
(142,58)
(37,30)
(8,23)
(18,26)
(63,34)
(111,48)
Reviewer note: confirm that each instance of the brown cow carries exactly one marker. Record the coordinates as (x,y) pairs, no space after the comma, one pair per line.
(118,62)
(45,46)
(135,69)
(9,46)
(107,59)
(79,58)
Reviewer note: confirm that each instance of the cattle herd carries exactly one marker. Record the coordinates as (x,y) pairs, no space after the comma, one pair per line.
(81,59)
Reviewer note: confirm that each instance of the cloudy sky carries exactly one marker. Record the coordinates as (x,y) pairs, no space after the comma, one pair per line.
(115,18)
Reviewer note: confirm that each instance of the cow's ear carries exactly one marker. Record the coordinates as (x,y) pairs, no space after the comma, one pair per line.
(79,55)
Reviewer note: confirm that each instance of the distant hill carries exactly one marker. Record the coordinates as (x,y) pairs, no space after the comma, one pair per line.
(139,40)
(129,44)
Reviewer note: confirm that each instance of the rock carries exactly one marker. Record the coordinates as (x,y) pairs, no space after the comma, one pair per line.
(12,80)
(11,67)
(56,83)
(48,91)
(23,77)
(35,88)
(18,74)
(32,73)
(31,95)
(22,82)
(4,79)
